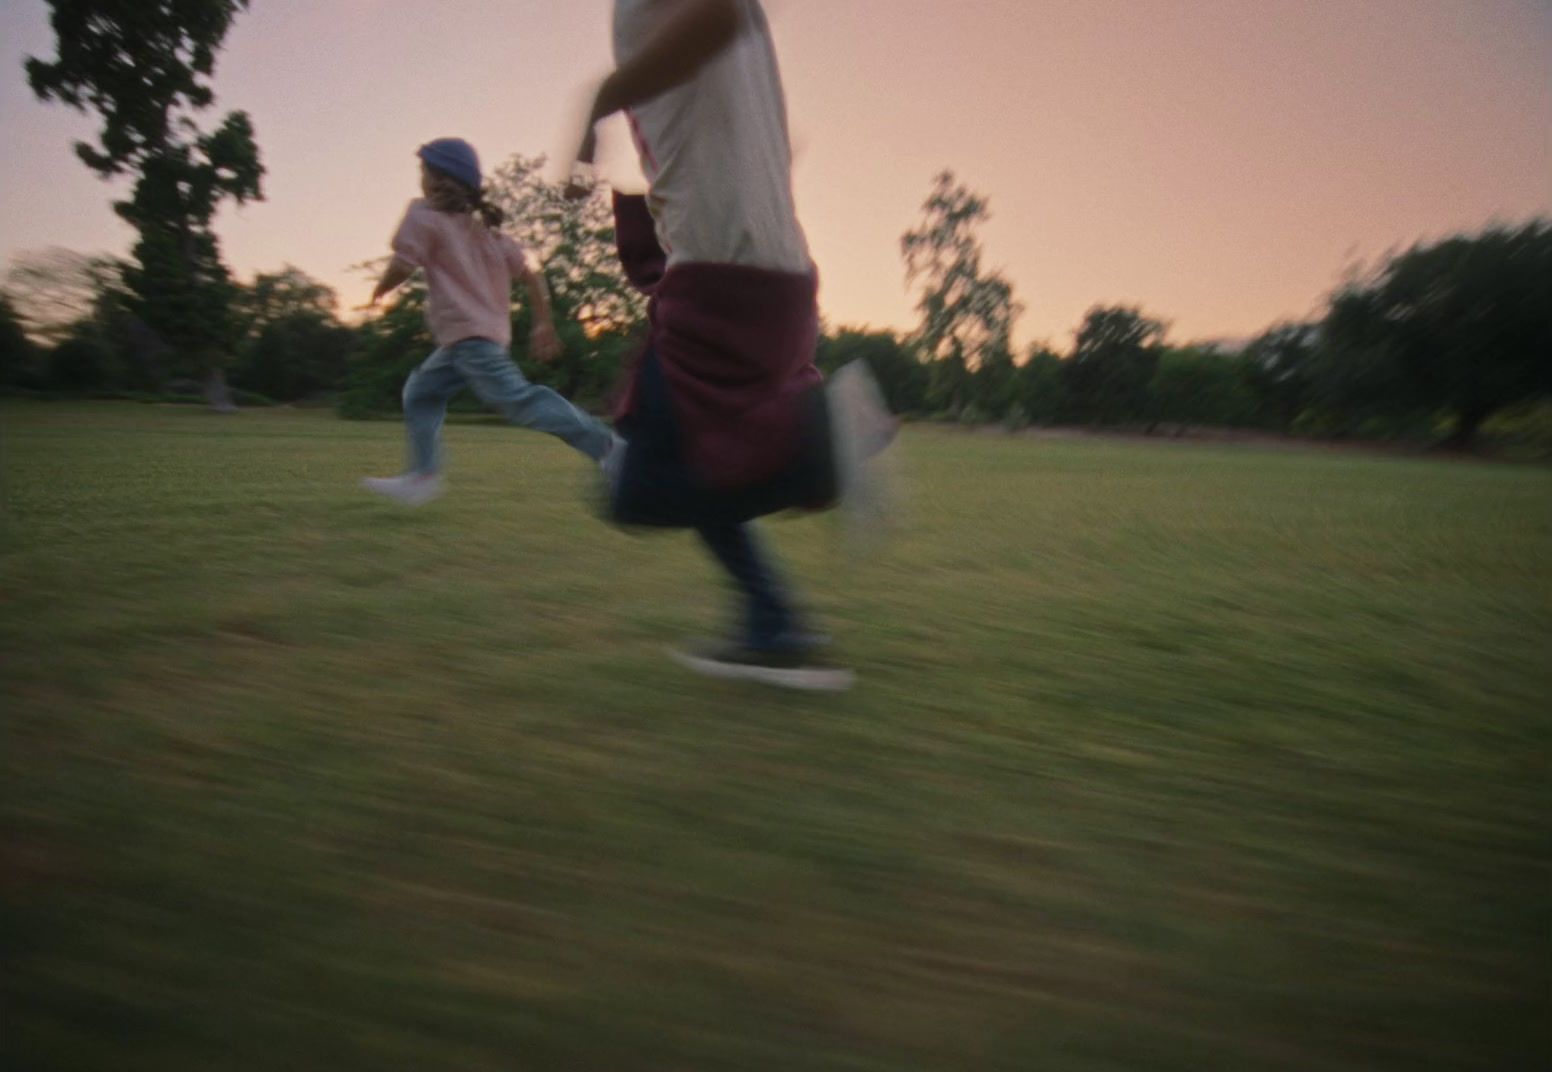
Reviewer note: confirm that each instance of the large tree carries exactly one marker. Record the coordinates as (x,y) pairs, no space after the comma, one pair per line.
(143,66)
(1461,326)
(967,311)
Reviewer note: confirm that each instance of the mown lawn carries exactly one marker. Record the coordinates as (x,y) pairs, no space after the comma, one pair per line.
(1163,757)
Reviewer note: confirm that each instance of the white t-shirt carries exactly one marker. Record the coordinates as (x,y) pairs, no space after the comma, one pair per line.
(716,150)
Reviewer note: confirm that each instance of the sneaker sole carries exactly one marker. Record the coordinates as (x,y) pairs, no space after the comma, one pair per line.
(415,499)
(806,679)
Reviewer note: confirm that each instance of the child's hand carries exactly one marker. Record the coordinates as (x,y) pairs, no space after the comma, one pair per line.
(543,343)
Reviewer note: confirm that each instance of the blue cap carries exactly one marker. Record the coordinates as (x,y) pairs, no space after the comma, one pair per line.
(454,156)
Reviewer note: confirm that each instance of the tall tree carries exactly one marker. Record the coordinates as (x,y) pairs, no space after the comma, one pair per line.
(1463,326)
(967,311)
(1112,363)
(143,67)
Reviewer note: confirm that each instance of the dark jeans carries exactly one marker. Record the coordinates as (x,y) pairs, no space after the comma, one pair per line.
(657,489)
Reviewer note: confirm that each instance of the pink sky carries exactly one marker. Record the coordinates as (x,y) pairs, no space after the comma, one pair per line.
(1217,161)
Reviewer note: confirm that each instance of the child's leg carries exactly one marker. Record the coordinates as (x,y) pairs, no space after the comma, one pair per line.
(771,622)
(426,394)
(489,370)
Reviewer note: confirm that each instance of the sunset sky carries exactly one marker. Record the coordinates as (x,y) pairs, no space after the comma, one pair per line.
(1219,162)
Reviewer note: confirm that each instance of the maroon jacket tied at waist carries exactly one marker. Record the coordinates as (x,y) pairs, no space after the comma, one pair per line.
(736,345)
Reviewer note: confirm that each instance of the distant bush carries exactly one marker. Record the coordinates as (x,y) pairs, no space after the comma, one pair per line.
(973,416)
(1524,429)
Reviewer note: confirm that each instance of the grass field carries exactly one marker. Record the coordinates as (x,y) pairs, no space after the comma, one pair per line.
(1163,757)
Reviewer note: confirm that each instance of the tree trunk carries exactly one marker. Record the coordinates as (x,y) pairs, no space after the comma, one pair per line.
(218,396)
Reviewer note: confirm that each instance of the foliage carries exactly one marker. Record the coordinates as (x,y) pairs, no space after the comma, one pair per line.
(1016,418)
(1525,429)
(1463,325)
(387,349)
(84,363)
(298,356)
(1198,386)
(572,241)
(1112,364)
(293,346)
(1039,384)
(142,68)
(274,296)
(596,309)
(19,355)
(994,385)
(972,416)
(53,289)
(967,312)
(1277,368)
(78,307)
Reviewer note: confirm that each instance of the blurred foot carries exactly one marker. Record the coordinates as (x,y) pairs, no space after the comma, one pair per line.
(862,428)
(613,463)
(411,489)
(794,669)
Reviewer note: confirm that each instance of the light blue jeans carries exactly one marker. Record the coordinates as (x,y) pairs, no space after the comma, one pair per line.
(487,368)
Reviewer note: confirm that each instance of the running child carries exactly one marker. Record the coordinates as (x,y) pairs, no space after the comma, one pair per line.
(452,235)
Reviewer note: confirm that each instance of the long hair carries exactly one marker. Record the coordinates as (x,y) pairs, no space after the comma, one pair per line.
(458,197)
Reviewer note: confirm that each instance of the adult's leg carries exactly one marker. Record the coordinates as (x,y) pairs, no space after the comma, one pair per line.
(656,488)
(770,621)
(491,373)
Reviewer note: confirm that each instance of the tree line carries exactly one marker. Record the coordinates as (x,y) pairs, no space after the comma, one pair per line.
(1433,341)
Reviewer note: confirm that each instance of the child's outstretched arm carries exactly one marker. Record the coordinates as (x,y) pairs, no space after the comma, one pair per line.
(397,273)
(689,34)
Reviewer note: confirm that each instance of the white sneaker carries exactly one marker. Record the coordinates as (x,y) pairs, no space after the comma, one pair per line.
(411,489)
(862,428)
(613,463)
(799,669)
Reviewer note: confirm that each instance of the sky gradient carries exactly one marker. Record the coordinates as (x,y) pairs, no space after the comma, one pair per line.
(1219,162)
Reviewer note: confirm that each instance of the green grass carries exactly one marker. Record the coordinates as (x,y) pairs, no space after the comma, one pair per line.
(1164,757)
